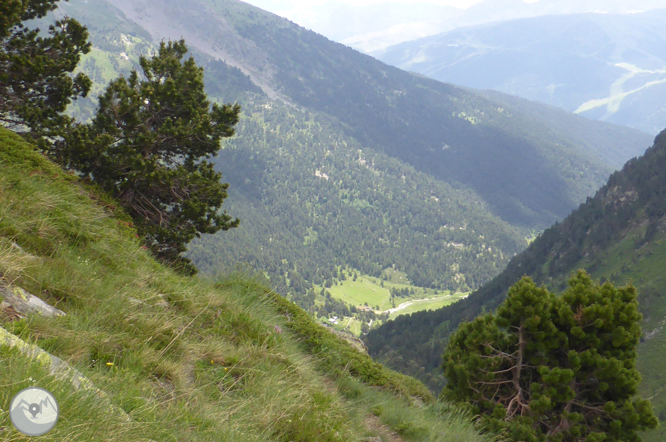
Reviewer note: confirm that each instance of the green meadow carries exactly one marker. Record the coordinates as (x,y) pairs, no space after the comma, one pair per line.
(434,303)
(375,292)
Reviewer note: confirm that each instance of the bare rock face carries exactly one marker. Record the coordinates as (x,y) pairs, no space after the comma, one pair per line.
(16,303)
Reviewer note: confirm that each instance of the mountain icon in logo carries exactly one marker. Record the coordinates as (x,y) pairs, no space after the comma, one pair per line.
(34,411)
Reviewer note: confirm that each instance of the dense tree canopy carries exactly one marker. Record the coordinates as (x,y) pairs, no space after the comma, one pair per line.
(148,145)
(36,84)
(549,368)
(316,201)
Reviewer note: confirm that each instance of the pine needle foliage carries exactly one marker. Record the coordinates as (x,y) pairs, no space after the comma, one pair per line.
(148,146)
(553,368)
(36,84)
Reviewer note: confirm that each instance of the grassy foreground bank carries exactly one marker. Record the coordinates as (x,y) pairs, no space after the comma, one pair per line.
(173,358)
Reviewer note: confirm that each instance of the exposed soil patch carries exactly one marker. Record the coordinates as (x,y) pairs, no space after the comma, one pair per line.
(385,433)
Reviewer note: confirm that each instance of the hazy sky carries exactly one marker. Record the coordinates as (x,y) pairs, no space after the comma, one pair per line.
(279,4)
(309,3)
(374,29)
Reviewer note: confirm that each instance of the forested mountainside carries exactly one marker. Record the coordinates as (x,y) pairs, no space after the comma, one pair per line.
(346,206)
(595,135)
(609,67)
(451,134)
(618,235)
(136,352)
(461,150)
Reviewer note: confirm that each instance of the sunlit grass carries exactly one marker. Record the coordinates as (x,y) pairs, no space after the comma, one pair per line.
(428,304)
(374,292)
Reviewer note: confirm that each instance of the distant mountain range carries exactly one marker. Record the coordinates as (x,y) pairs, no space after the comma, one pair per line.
(341,161)
(617,236)
(610,67)
(374,27)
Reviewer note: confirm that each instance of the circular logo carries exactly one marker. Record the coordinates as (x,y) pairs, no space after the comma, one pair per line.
(34,411)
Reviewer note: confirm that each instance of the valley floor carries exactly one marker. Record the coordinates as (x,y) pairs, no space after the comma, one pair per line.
(378,297)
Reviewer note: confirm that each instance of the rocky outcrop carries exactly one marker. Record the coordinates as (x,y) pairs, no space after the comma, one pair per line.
(16,303)
(649,335)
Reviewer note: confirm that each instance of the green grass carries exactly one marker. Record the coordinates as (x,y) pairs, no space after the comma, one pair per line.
(178,358)
(375,293)
(367,289)
(428,304)
(363,290)
(353,326)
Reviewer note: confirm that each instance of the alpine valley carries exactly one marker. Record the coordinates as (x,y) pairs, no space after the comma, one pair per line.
(367,195)
(345,166)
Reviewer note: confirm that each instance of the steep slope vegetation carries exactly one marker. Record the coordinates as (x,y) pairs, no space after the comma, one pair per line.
(596,136)
(609,67)
(619,235)
(163,357)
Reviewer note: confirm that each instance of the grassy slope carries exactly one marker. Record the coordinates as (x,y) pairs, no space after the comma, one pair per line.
(182,358)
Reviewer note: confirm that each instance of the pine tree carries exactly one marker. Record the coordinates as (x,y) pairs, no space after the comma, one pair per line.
(549,368)
(148,145)
(36,84)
